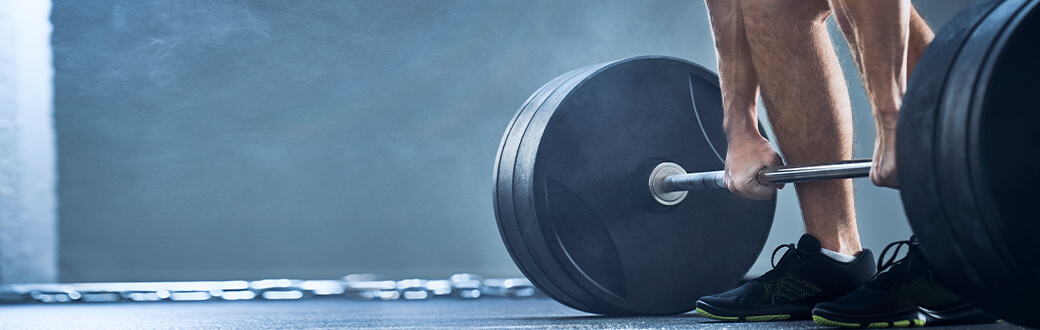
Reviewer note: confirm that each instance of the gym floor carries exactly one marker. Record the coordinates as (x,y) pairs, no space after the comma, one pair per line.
(485,313)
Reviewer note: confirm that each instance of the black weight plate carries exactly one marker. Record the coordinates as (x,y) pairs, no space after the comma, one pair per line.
(948,193)
(580,202)
(916,148)
(952,149)
(508,226)
(504,212)
(1000,158)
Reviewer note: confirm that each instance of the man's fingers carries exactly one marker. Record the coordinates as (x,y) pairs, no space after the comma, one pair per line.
(883,180)
(753,190)
(888,183)
(762,195)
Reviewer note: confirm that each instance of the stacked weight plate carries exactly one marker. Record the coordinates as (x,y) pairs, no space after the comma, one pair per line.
(572,198)
(967,126)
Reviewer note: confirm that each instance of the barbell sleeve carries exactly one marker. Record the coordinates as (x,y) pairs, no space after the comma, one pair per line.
(856,168)
(695,181)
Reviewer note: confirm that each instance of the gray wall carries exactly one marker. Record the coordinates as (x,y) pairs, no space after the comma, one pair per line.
(246,139)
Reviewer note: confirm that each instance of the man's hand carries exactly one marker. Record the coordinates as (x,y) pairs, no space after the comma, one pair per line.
(883,172)
(744,158)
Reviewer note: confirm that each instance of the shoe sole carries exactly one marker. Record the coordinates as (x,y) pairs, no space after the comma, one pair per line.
(909,322)
(775,313)
(959,315)
(963,314)
(748,318)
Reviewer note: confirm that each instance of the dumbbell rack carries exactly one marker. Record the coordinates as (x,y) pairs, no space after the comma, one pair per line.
(355,286)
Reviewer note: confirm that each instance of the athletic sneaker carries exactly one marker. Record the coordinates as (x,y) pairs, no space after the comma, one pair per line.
(803,277)
(903,296)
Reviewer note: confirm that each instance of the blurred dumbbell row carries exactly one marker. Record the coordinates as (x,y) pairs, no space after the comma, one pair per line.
(355,286)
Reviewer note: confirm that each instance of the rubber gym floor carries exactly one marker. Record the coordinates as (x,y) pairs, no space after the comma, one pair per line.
(484,313)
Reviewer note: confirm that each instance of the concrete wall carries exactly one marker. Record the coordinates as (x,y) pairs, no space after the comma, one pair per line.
(245,139)
(28,223)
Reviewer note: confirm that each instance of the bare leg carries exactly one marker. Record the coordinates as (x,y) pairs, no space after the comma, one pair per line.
(886,38)
(808,103)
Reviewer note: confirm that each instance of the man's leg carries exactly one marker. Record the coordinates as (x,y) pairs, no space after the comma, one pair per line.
(808,104)
(784,47)
(887,38)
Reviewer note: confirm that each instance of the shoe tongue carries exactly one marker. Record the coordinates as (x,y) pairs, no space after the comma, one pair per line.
(809,243)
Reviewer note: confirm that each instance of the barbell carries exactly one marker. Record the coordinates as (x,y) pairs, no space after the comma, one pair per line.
(669,182)
(595,205)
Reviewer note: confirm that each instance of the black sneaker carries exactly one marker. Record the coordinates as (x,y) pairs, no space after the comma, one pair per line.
(803,277)
(904,296)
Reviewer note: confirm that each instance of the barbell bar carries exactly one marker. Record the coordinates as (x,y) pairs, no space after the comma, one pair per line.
(669,182)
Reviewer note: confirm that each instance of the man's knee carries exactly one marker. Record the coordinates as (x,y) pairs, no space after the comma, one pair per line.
(786,12)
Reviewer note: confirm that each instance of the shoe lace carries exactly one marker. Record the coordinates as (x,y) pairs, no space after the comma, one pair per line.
(884,264)
(790,247)
(898,270)
(791,253)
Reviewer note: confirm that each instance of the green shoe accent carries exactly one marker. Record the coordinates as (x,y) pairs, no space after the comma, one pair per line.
(701,312)
(761,318)
(828,323)
(898,324)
